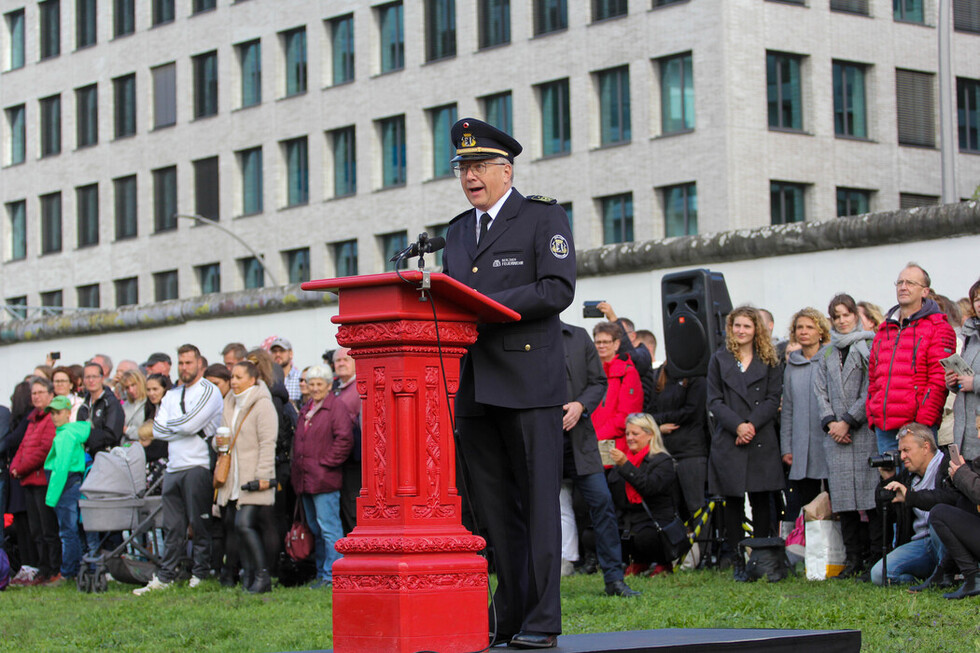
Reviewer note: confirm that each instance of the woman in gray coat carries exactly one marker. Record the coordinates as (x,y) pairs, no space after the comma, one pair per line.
(841,390)
(801,437)
(966,386)
(744,386)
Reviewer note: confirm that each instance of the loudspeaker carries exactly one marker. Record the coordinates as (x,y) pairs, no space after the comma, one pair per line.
(695,304)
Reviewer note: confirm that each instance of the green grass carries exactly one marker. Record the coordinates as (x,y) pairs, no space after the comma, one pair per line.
(217,619)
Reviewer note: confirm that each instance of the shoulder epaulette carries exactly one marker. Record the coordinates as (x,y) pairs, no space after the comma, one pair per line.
(542,199)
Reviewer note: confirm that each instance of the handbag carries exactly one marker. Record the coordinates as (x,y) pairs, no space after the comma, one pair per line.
(222,466)
(299,538)
(767,560)
(673,536)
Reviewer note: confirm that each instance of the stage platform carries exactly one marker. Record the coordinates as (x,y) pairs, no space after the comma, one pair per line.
(711,640)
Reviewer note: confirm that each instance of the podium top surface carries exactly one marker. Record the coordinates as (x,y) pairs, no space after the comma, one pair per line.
(443,288)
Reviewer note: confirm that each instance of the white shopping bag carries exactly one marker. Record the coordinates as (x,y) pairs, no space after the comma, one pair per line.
(824,549)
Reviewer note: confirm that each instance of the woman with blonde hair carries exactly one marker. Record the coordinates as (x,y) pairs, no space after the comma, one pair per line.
(870,315)
(134,403)
(744,387)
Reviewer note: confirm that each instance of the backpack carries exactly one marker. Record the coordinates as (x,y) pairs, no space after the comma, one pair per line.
(767,560)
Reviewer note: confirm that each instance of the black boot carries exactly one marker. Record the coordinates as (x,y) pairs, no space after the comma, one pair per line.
(262,584)
(590,564)
(738,570)
(228,577)
(248,578)
(852,567)
(941,577)
(968,588)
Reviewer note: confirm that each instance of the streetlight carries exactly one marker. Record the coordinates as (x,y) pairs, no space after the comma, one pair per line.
(218,225)
(947,106)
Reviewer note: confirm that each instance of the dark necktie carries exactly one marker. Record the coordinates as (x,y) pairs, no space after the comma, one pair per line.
(484,226)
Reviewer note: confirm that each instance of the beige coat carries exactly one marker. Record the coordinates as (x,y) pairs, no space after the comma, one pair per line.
(254,454)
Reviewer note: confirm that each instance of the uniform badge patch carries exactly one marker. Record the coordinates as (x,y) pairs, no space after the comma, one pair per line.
(559,246)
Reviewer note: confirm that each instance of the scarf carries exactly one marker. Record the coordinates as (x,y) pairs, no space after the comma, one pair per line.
(311,411)
(971,328)
(637,460)
(857,337)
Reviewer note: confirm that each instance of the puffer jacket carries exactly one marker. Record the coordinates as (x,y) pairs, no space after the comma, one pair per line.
(624,395)
(906,382)
(34,448)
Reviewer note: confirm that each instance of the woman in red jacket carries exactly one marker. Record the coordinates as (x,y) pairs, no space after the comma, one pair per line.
(28,466)
(323,440)
(624,395)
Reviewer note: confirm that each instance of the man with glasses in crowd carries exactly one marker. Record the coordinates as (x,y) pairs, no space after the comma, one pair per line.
(101,408)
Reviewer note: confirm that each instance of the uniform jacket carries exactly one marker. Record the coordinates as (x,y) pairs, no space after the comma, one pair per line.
(684,405)
(966,404)
(254,454)
(322,446)
(906,383)
(527,263)
(841,391)
(801,433)
(107,418)
(586,385)
(29,459)
(656,481)
(623,396)
(735,397)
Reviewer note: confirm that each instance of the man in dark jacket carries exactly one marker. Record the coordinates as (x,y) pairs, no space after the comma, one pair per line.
(102,409)
(582,463)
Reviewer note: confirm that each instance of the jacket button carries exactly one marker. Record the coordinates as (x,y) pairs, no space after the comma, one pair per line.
(527,347)
(757,403)
(475,269)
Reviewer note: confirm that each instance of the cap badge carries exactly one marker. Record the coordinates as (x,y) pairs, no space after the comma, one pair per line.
(467,140)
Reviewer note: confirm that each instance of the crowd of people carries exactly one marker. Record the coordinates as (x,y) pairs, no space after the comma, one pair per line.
(776,421)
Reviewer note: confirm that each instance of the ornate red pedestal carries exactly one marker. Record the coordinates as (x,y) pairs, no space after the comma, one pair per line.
(410,578)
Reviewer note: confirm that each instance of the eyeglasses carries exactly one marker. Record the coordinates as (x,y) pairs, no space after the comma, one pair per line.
(909,283)
(604,343)
(479,168)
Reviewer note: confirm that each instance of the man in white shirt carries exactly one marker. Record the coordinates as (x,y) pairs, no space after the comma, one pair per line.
(186,418)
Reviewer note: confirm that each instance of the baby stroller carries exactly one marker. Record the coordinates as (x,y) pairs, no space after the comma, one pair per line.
(117,499)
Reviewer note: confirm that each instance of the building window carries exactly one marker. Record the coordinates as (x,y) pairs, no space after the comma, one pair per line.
(88,296)
(603,9)
(498,111)
(18,133)
(206,203)
(53,301)
(850,111)
(853,201)
(343,144)
(664,3)
(294,45)
(127,291)
(680,210)
(966,15)
(440,29)
(253,274)
(203,5)
(50,223)
(614,106)
(550,16)
(163,12)
(494,22)
(785,93)
(345,258)
(567,207)
(915,101)
(915,200)
(250,164)
(298,265)
(850,6)
(297,171)
(85,31)
(617,218)
(164,95)
(391,244)
(909,11)
(165,199)
(250,60)
(391,25)
(786,202)
(50,28)
(205,84)
(967,103)
(209,277)
(87,210)
(50,125)
(556,123)
(123,17)
(342,49)
(442,119)
(165,286)
(17,214)
(677,93)
(124,189)
(15,32)
(393,151)
(86,116)
(17,307)
(124,101)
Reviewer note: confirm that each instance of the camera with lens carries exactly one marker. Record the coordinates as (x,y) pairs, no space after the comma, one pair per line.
(887,460)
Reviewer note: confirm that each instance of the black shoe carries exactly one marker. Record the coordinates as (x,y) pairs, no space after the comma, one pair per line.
(852,567)
(228,579)
(968,588)
(619,588)
(533,640)
(248,578)
(590,565)
(941,577)
(262,583)
(738,570)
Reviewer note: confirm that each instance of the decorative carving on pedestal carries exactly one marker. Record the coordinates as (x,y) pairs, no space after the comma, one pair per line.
(398,582)
(433,544)
(398,331)
(433,506)
(381,509)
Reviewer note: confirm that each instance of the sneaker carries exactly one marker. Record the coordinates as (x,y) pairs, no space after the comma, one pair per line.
(54,581)
(194,582)
(567,567)
(25,576)
(154,584)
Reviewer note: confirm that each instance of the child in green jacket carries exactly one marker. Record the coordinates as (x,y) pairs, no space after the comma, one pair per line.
(65,465)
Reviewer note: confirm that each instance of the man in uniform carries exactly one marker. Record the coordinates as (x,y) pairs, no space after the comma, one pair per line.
(518,251)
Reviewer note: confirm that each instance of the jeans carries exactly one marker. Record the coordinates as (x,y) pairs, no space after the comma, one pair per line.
(66,511)
(608,546)
(887,440)
(913,560)
(323,518)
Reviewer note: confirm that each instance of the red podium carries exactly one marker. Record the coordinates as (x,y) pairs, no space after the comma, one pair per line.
(410,578)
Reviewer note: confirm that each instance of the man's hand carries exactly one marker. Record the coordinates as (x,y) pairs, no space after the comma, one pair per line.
(954,464)
(788,459)
(668,428)
(840,432)
(886,473)
(607,310)
(618,457)
(573,412)
(899,491)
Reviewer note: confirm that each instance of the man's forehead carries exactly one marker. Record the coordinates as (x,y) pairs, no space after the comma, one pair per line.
(913,273)
(186,357)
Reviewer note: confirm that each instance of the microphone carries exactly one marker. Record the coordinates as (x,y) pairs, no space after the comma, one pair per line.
(424,245)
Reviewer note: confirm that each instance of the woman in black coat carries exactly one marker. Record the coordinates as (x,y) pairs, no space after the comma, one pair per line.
(745,383)
(645,474)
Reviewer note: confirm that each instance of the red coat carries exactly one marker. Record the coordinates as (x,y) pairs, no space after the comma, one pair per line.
(34,448)
(624,395)
(906,383)
(322,446)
